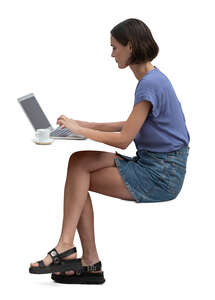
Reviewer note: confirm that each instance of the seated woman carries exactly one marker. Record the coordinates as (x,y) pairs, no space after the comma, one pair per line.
(156,173)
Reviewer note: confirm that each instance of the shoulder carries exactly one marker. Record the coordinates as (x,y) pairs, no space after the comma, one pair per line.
(153,84)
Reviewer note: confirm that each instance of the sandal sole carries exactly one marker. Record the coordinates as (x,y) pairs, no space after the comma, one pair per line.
(89,278)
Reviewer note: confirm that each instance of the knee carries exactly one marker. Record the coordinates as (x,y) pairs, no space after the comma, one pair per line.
(76,157)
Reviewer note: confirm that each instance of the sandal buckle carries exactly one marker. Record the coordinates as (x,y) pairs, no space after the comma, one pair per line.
(78,272)
(55,256)
(56,260)
(53,253)
(91,268)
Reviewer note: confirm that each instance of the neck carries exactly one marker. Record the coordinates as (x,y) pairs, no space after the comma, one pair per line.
(140,70)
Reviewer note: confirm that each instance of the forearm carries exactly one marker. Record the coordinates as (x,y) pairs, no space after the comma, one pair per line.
(108,127)
(109,138)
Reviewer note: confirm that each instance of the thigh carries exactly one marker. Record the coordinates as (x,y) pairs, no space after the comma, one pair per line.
(92,160)
(107,181)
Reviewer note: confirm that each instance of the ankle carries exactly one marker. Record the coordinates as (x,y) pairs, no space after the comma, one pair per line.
(64,245)
(90,260)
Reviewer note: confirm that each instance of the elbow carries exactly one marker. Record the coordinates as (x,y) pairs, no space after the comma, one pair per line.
(124,146)
(124,142)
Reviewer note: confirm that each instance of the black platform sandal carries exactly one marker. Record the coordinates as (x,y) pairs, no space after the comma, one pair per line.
(82,276)
(58,264)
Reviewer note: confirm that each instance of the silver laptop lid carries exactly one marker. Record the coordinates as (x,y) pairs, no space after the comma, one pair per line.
(34,112)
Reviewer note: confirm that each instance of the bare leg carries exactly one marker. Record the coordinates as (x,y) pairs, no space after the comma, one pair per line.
(87,234)
(75,196)
(105,180)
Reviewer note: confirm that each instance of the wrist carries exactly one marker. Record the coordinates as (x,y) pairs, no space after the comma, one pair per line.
(91,125)
(78,130)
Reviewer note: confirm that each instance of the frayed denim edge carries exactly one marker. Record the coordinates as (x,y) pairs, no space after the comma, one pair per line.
(125,181)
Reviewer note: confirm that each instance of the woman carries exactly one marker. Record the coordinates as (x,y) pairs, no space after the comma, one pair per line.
(156,173)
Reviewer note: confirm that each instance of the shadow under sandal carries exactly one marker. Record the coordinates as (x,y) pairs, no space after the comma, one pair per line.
(82,276)
(58,263)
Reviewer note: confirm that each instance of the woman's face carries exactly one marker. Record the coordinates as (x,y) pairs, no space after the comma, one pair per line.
(120,52)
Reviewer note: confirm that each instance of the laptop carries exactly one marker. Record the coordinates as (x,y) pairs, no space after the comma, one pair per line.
(39,120)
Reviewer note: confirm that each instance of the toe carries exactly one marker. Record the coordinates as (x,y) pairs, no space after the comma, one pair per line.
(46,261)
(69,272)
(34,264)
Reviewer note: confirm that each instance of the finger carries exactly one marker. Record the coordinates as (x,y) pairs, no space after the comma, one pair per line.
(60,122)
(61,117)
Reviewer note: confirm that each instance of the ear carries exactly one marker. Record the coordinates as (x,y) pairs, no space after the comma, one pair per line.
(130,46)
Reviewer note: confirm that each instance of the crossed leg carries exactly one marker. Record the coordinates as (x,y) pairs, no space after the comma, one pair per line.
(87,171)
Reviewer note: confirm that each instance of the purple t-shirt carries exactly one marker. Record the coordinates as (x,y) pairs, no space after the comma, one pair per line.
(164,129)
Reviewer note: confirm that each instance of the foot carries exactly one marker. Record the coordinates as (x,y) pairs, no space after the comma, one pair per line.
(60,248)
(84,262)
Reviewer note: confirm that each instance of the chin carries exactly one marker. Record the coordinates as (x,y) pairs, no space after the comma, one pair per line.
(122,66)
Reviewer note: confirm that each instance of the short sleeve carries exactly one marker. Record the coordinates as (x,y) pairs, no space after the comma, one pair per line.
(143,93)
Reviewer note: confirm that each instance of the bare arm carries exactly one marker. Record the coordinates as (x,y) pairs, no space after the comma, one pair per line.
(107,127)
(130,129)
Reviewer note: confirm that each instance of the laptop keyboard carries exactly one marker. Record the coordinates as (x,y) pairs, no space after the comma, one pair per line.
(61,132)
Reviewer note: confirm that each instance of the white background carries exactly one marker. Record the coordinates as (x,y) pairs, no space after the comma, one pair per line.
(60,50)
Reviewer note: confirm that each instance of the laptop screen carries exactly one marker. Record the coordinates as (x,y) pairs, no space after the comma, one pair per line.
(34,112)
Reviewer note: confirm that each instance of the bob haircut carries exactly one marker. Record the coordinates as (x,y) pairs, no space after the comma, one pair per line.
(144,47)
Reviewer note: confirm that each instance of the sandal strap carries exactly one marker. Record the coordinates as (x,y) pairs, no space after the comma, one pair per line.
(96,267)
(68,252)
(56,259)
(41,264)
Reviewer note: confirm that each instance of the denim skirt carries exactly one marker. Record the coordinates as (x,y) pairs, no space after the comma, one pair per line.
(153,176)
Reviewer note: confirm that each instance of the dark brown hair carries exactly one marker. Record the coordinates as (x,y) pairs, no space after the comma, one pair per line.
(144,47)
